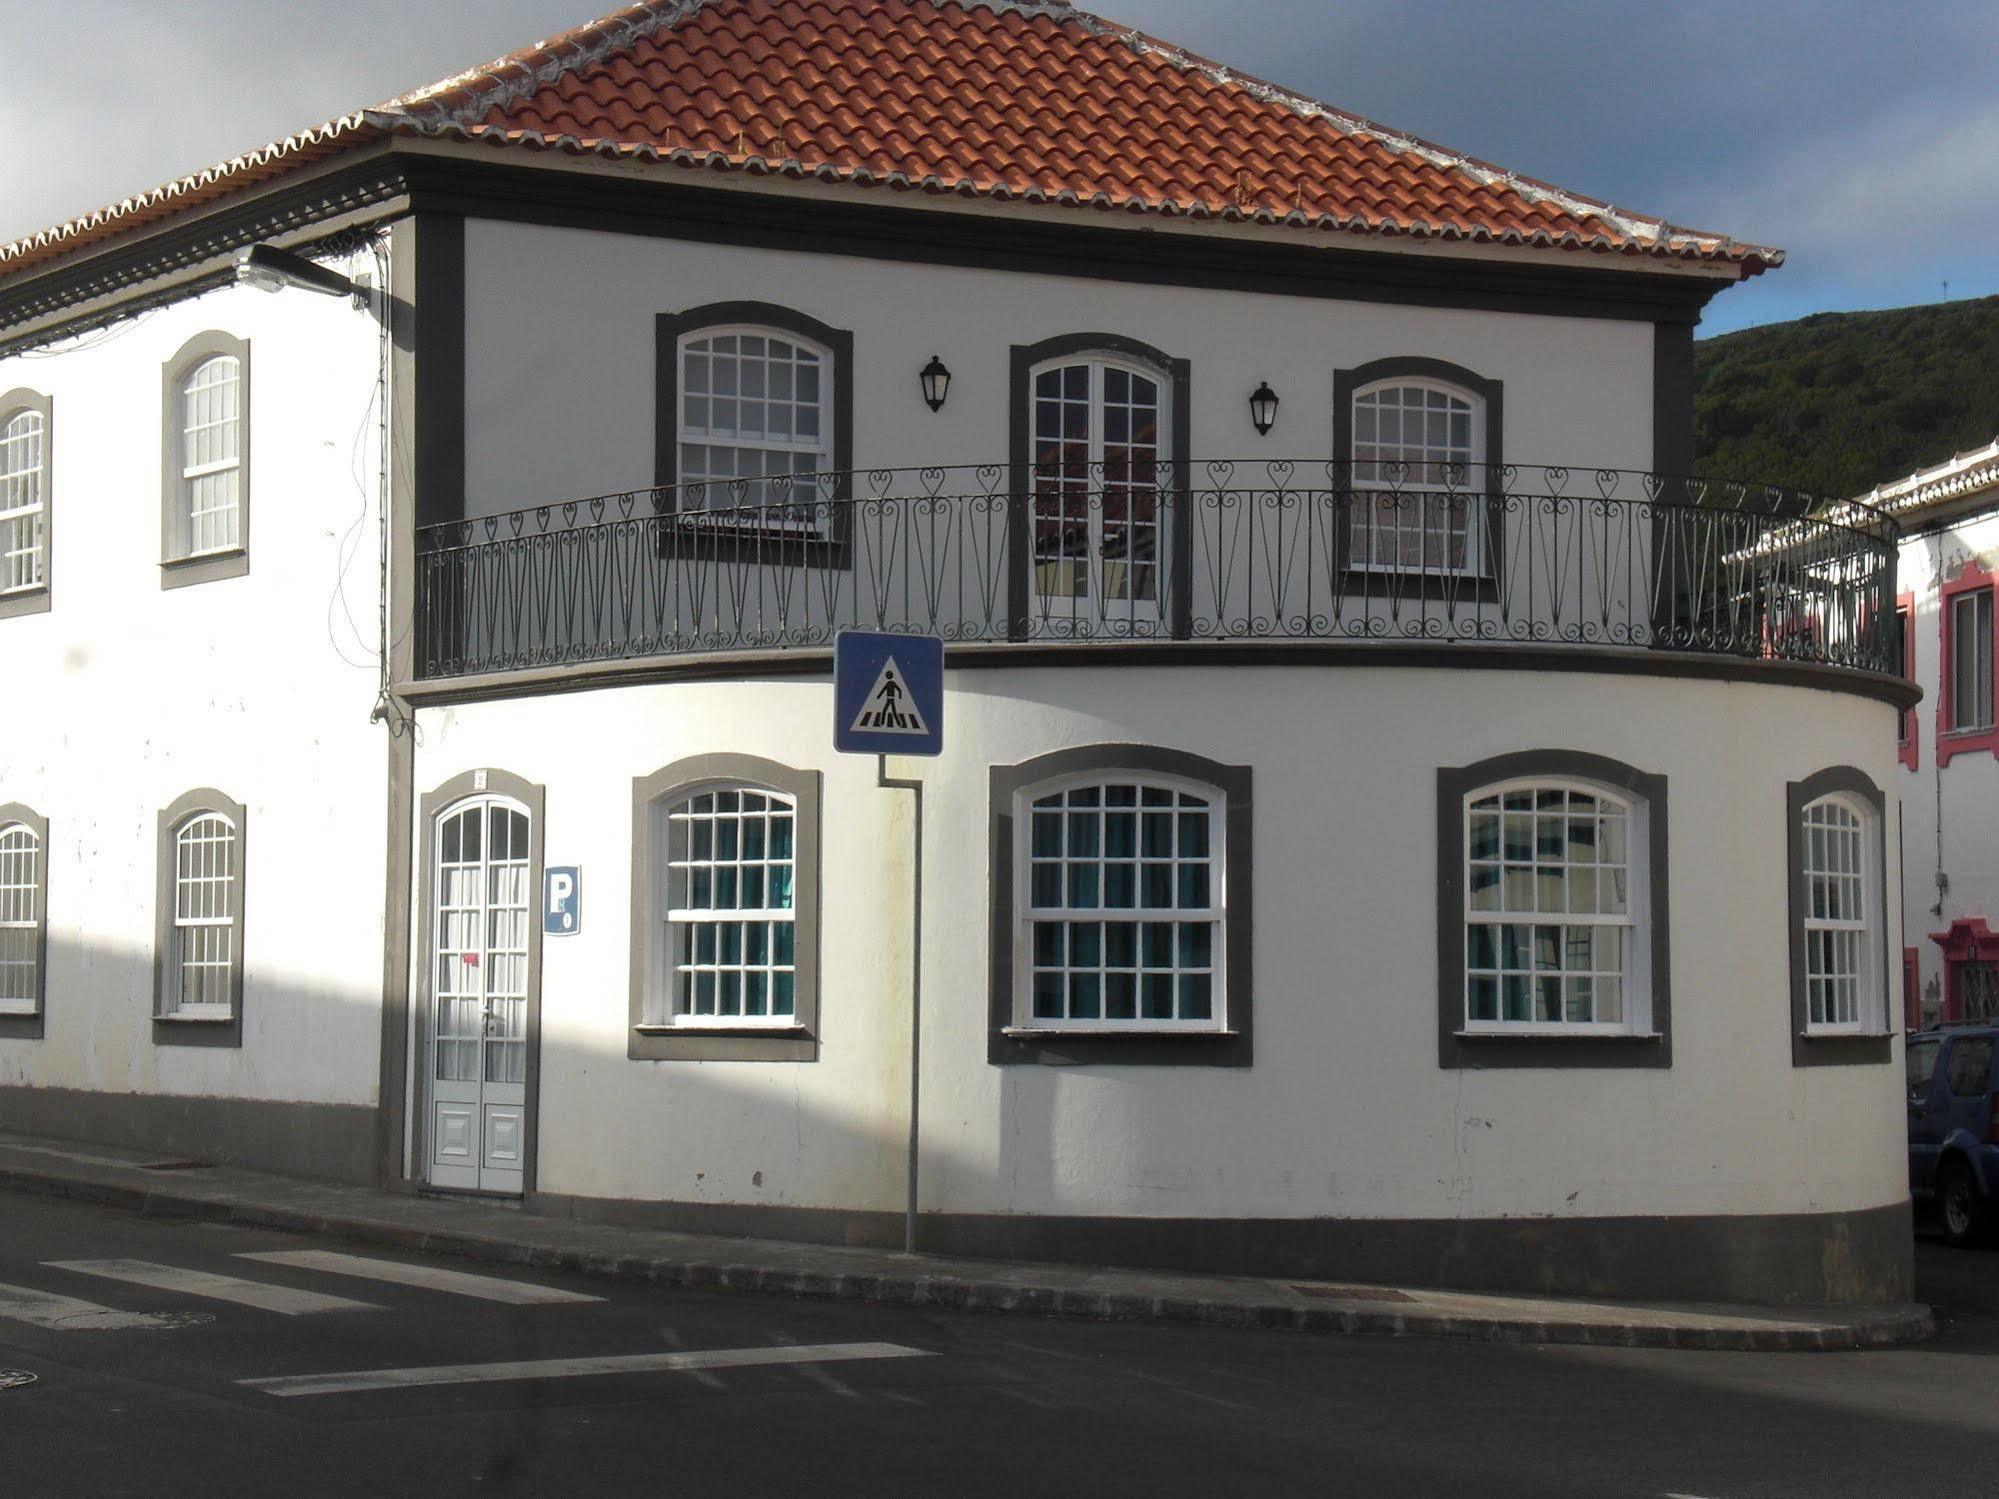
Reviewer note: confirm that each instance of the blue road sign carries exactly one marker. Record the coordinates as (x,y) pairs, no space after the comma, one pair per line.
(562,900)
(888,694)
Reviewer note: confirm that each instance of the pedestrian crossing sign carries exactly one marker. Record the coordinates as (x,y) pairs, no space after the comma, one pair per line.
(888,694)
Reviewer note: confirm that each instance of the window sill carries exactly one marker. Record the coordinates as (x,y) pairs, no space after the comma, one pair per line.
(1621,1038)
(1076,1032)
(722,1043)
(1954,742)
(22,601)
(1841,1048)
(197,1017)
(208,567)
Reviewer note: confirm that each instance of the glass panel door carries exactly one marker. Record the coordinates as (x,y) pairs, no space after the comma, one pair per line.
(1098,436)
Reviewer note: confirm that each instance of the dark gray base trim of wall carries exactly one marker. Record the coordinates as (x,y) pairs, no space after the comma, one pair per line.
(856,1227)
(1863,1257)
(1858,1258)
(335,1141)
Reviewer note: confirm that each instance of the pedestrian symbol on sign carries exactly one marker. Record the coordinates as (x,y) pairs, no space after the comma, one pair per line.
(888,707)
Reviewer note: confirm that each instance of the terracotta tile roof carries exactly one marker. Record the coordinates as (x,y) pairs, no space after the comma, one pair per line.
(1025,100)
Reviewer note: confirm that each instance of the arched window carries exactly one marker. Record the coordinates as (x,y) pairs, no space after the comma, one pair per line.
(725,900)
(1417,475)
(755,409)
(206,525)
(23,915)
(1552,942)
(1098,445)
(1839,955)
(24,493)
(198,977)
(1554,907)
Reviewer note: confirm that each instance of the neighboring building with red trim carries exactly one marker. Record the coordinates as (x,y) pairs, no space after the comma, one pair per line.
(1949,746)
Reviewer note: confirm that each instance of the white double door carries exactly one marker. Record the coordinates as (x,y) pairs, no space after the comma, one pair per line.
(477,1039)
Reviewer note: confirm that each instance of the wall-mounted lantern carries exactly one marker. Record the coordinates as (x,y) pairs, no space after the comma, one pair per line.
(936,383)
(268,268)
(1263,408)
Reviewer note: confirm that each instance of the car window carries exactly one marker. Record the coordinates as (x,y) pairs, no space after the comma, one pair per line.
(1922,1060)
(1970,1066)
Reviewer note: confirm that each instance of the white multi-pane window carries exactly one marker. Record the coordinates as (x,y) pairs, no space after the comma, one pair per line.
(483,872)
(211,458)
(1842,966)
(1121,901)
(1971,660)
(1553,885)
(1098,443)
(207,910)
(755,410)
(23,501)
(1415,447)
(730,907)
(20,920)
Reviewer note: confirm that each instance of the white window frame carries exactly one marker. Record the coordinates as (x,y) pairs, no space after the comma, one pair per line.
(716,494)
(1870,973)
(27,888)
(191,472)
(16,513)
(1471,494)
(1979,635)
(1026,913)
(669,1000)
(1636,978)
(1124,600)
(182,923)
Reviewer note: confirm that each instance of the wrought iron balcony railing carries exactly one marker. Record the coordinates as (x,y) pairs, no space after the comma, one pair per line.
(1227,551)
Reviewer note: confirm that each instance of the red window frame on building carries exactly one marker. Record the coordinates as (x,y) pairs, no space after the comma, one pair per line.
(1968,940)
(1950,742)
(1908,747)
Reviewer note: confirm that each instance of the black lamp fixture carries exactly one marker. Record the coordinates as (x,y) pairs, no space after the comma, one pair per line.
(936,380)
(268,268)
(1263,408)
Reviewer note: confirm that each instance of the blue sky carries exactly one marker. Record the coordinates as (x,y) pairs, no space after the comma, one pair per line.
(1863,138)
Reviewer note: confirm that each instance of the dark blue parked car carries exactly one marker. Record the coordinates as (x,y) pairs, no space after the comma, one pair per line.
(1954,1127)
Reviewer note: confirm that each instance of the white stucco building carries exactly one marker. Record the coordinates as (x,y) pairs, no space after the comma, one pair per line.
(1949,515)
(1436,847)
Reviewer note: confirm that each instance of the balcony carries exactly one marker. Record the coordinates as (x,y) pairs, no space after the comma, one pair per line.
(1273,552)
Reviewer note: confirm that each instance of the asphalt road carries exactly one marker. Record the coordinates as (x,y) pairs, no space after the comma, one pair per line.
(169,1364)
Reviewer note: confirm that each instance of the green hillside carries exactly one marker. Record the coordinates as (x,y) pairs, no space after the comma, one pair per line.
(1840,401)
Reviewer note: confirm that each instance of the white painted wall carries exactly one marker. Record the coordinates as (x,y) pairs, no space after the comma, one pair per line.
(1962,797)
(1346,1111)
(560,362)
(124,696)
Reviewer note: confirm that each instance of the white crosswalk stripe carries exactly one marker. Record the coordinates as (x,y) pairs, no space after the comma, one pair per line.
(285,1300)
(67,1314)
(291,1386)
(429,1277)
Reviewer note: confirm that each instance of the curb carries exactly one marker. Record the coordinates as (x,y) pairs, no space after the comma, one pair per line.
(1910,1324)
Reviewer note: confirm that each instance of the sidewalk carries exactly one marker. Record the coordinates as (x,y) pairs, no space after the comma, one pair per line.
(129,1179)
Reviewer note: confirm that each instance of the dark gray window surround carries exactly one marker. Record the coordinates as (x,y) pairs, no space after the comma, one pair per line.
(183,1030)
(1808,1050)
(663,1042)
(431,807)
(12,404)
(28,1027)
(1178,374)
(178,571)
(1458,1047)
(1492,393)
(668,330)
(1232,1047)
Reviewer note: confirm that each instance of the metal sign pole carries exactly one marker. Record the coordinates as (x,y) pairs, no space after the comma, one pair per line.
(915,788)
